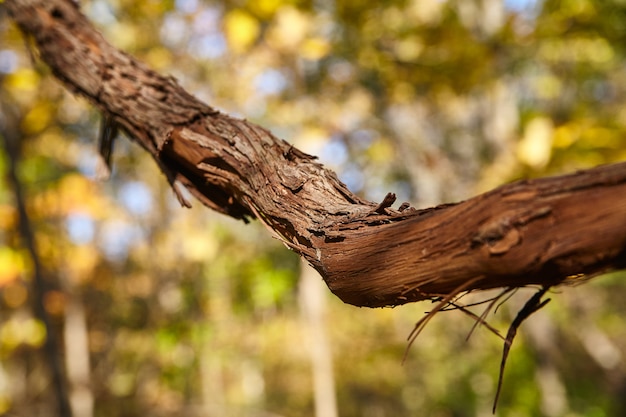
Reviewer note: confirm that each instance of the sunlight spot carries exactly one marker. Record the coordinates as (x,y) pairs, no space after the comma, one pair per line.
(116,238)
(173,30)
(520,5)
(80,228)
(270,82)
(208,46)
(136,197)
(101,13)
(187,6)
(8,61)
(334,153)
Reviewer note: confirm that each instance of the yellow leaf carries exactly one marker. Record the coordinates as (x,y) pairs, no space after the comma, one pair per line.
(565,135)
(123,35)
(535,147)
(77,193)
(241,29)
(264,8)
(381,151)
(84,260)
(315,48)
(5,401)
(290,28)
(34,332)
(17,331)
(159,58)
(312,139)
(14,294)
(408,49)
(24,79)
(37,118)
(11,265)
(199,246)
(8,216)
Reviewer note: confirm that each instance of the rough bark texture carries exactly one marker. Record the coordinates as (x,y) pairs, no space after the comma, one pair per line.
(531,232)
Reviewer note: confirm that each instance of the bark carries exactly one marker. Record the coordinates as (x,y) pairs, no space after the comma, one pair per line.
(542,231)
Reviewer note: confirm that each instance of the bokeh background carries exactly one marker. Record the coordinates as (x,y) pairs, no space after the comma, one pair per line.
(163,311)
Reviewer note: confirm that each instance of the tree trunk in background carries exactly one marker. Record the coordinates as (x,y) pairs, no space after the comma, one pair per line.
(219,320)
(10,134)
(369,254)
(312,300)
(77,357)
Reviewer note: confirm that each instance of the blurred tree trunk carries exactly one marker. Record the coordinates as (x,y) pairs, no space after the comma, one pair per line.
(313,307)
(77,357)
(369,254)
(40,282)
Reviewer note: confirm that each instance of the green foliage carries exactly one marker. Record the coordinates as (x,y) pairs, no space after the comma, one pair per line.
(189,313)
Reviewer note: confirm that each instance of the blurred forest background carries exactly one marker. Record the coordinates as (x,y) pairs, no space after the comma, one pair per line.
(164,311)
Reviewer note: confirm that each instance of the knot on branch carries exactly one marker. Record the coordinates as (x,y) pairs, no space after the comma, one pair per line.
(503,233)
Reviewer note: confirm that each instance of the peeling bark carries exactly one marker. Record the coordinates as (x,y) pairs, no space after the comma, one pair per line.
(542,231)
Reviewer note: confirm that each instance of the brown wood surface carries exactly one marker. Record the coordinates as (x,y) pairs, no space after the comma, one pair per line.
(544,231)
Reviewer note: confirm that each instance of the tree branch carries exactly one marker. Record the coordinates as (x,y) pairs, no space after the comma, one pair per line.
(531,232)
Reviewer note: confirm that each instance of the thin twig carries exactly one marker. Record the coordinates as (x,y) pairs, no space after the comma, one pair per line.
(477,320)
(484,314)
(419,326)
(531,306)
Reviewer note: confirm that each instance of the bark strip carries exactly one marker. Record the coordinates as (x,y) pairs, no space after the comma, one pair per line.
(532,232)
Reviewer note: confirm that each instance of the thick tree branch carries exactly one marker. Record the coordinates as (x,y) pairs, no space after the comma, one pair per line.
(531,232)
